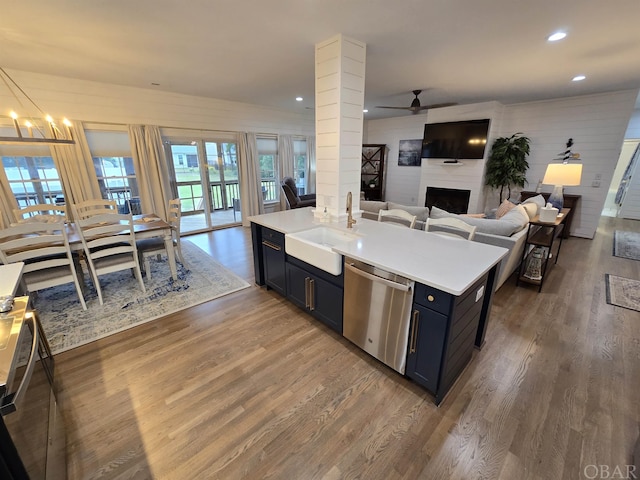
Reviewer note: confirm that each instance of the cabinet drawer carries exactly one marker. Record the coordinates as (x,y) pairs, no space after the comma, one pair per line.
(273,237)
(433,298)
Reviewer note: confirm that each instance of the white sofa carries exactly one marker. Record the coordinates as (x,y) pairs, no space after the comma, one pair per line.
(491,232)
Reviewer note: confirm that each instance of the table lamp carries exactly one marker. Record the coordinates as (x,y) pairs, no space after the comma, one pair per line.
(561,175)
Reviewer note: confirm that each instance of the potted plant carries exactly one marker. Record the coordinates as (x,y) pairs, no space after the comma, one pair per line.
(507,163)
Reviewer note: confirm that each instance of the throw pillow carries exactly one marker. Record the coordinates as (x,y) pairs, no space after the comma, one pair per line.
(531,208)
(517,216)
(504,207)
(537,200)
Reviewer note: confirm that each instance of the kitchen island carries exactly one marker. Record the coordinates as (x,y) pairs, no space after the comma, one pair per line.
(454,281)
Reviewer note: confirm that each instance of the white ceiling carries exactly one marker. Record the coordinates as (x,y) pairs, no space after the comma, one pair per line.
(262,52)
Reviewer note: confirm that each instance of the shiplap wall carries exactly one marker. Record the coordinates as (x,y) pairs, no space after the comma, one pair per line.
(106,103)
(339,69)
(597,123)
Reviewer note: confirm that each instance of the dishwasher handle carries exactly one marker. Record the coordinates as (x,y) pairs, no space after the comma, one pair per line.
(375,278)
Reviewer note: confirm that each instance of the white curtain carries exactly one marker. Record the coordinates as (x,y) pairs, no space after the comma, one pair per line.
(76,170)
(285,163)
(311,161)
(151,169)
(250,186)
(7,201)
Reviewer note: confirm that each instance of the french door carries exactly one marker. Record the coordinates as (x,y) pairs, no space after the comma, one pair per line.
(205,178)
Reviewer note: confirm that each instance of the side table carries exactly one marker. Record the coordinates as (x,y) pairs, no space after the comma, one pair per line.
(541,235)
(570,202)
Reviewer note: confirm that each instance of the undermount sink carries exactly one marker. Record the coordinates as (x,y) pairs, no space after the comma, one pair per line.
(314,247)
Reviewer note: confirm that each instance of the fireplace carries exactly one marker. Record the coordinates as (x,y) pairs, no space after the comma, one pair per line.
(450,199)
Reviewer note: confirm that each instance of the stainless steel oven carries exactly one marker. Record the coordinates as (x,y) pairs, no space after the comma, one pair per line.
(32,438)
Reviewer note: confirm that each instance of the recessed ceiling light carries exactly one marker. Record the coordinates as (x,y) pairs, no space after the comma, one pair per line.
(299,99)
(365,111)
(554,37)
(578,78)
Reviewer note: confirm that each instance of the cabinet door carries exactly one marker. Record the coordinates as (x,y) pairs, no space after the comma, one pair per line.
(274,271)
(426,344)
(297,281)
(326,303)
(321,298)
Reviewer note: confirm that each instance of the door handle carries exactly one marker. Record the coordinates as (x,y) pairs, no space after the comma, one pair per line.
(414,331)
(306,292)
(312,295)
(273,246)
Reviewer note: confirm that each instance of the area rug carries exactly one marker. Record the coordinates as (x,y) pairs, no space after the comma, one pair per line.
(623,292)
(626,244)
(67,325)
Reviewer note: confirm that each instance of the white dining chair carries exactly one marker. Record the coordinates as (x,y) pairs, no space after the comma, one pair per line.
(90,208)
(450,226)
(44,248)
(149,247)
(109,246)
(41,212)
(397,217)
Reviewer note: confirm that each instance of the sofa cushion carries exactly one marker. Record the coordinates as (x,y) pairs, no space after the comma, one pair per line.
(421,213)
(373,206)
(511,222)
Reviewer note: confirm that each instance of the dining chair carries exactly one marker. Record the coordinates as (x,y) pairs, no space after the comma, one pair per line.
(149,247)
(90,208)
(452,227)
(397,217)
(109,246)
(41,212)
(44,249)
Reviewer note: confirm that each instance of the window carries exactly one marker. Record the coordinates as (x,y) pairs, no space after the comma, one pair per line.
(33,180)
(268,159)
(300,165)
(117,179)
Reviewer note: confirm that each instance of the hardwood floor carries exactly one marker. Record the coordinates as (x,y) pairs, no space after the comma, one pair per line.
(249,386)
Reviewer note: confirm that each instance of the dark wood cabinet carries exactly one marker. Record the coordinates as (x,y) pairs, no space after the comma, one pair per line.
(316,291)
(570,201)
(372,171)
(442,335)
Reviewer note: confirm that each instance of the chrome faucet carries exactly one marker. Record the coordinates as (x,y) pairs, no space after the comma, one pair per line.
(350,220)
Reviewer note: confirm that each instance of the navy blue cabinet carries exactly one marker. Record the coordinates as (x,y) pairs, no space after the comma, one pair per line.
(442,335)
(316,291)
(269,258)
(426,343)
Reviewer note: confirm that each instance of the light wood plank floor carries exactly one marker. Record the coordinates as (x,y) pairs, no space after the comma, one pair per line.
(249,386)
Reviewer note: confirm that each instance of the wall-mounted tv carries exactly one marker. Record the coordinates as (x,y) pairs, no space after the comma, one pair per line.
(455,140)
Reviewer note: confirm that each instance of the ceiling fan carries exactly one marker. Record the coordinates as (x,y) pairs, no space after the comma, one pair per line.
(416,107)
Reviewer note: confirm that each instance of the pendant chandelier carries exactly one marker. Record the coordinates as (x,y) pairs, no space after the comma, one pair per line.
(41,131)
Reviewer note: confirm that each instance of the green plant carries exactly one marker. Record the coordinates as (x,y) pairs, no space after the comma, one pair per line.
(507,163)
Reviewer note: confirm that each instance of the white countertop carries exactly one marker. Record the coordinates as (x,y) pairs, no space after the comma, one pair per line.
(447,263)
(10,278)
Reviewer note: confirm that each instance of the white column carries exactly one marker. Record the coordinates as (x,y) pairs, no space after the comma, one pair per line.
(340,71)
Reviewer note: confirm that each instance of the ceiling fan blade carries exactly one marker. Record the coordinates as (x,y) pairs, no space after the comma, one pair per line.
(395,108)
(441,105)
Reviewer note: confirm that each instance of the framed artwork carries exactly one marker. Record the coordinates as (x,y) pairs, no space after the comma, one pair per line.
(409,153)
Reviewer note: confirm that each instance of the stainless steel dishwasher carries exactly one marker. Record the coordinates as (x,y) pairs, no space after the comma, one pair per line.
(377,312)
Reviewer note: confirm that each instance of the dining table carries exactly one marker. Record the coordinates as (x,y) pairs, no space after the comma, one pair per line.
(146,225)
